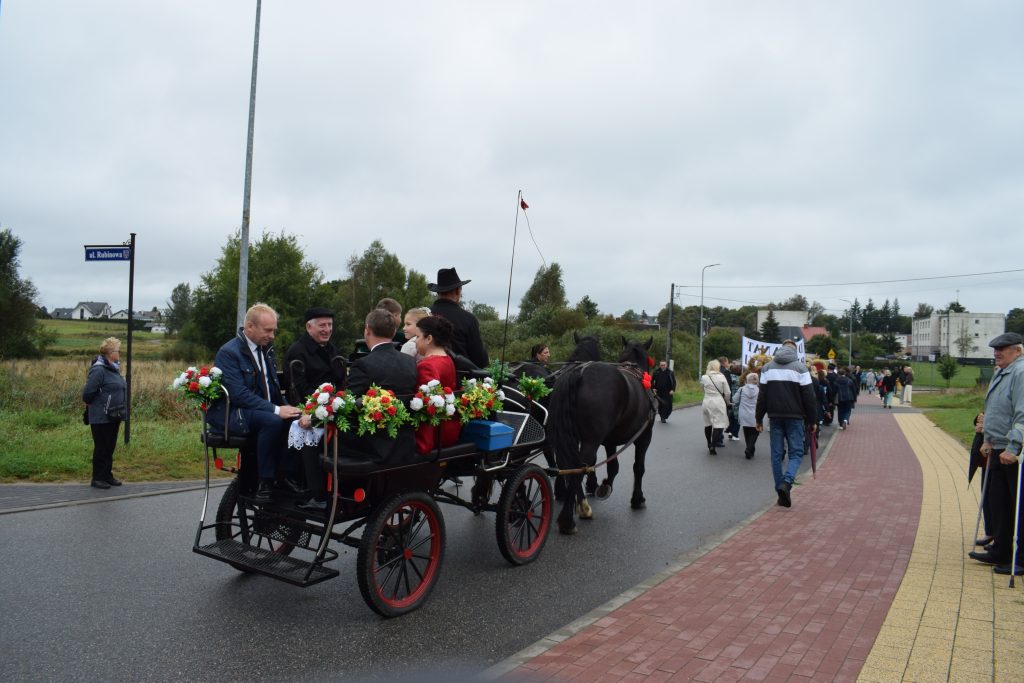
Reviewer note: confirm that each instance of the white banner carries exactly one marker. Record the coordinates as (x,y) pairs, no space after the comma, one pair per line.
(753,347)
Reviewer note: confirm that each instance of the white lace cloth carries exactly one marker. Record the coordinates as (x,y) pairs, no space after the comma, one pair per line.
(299,437)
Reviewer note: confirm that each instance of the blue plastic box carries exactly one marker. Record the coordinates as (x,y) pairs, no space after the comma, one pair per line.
(487,435)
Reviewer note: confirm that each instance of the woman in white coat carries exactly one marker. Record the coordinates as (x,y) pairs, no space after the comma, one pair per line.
(746,399)
(716,404)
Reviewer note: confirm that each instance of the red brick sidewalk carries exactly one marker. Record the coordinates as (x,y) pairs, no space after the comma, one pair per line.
(797,595)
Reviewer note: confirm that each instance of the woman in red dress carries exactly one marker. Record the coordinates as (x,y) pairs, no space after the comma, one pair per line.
(433,338)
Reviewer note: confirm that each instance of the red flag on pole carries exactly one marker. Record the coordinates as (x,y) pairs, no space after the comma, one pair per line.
(522,203)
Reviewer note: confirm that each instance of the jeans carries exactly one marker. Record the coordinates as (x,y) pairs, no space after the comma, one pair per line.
(845,409)
(786,434)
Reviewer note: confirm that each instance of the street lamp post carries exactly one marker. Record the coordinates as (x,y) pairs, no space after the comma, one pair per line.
(700,321)
(850,315)
(668,342)
(243,247)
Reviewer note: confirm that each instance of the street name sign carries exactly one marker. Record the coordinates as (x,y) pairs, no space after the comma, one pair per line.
(117,253)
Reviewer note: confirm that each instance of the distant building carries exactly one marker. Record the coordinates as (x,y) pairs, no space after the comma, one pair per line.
(940,333)
(61,314)
(783,318)
(809,332)
(87,310)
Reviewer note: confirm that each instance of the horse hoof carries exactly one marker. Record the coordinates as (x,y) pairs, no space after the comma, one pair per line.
(603,491)
(568,531)
(638,504)
(584,510)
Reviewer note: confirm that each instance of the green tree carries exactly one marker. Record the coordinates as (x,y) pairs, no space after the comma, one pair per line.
(953,307)
(482,311)
(21,334)
(279,275)
(923,310)
(770,331)
(547,290)
(588,308)
(630,316)
(964,341)
(722,342)
(820,344)
(889,343)
(179,308)
(948,367)
(797,302)
(1015,320)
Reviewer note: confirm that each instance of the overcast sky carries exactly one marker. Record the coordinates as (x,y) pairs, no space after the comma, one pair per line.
(795,143)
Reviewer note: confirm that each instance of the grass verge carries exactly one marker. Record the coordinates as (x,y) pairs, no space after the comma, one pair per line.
(953,412)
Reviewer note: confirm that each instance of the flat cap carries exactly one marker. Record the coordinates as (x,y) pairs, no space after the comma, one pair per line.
(1006,339)
(317,312)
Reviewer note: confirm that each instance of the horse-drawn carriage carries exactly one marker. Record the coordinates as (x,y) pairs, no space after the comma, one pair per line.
(389,513)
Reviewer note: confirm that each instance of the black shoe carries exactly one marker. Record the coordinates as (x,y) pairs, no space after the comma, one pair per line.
(265,493)
(987,558)
(984,541)
(712,451)
(290,486)
(1005,570)
(988,548)
(783,491)
(749,454)
(99,484)
(313,504)
(663,420)
(113,481)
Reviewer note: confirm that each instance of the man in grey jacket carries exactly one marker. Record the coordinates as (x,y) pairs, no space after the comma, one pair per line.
(787,397)
(1004,434)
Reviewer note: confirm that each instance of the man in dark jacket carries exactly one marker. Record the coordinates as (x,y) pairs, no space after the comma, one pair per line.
(388,368)
(664,382)
(787,398)
(257,408)
(311,361)
(466,339)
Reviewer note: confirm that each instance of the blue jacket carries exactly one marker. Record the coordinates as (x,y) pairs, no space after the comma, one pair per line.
(1004,408)
(241,379)
(104,391)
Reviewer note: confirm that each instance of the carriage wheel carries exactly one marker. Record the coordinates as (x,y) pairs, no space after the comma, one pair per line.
(524,515)
(281,540)
(400,554)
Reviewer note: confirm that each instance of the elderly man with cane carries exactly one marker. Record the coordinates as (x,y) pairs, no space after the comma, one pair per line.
(1004,435)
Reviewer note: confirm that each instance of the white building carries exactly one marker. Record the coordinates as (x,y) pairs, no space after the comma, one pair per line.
(945,333)
(783,318)
(87,310)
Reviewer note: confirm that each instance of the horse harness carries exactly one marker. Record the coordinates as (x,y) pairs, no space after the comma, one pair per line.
(630,371)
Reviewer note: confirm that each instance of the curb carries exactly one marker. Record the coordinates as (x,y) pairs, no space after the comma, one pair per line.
(105,499)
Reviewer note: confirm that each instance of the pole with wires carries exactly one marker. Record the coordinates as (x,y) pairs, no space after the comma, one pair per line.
(508,302)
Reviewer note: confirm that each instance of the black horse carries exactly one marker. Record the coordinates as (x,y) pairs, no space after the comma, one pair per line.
(598,404)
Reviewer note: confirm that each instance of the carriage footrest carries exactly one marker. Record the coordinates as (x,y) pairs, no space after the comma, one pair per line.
(266,562)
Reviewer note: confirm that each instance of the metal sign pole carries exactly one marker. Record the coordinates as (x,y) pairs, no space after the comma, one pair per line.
(128,367)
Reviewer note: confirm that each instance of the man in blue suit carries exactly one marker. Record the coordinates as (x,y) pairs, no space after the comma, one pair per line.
(257,408)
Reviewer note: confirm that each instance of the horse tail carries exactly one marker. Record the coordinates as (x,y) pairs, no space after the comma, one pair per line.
(562,431)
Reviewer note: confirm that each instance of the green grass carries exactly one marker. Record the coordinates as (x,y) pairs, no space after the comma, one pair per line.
(49,446)
(82,338)
(927,375)
(952,412)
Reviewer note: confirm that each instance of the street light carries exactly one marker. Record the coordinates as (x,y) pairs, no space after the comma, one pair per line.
(850,314)
(668,341)
(243,250)
(700,321)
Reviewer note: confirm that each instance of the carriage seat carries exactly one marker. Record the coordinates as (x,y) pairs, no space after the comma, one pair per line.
(215,440)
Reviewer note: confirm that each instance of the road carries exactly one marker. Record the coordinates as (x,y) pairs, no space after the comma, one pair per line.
(111,591)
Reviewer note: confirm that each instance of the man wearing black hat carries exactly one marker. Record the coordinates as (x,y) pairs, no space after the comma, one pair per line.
(466,339)
(310,361)
(1004,437)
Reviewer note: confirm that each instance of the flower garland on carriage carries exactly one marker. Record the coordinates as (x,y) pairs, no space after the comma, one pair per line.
(199,386)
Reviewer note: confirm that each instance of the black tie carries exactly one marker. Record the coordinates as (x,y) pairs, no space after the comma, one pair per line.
(264,385)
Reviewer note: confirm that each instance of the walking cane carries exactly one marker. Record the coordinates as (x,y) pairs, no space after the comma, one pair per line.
(1016,523)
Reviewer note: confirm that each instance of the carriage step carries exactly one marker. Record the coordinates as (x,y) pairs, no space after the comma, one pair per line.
(266,562)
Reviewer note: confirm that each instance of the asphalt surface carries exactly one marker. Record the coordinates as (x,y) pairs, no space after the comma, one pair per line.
(111,591)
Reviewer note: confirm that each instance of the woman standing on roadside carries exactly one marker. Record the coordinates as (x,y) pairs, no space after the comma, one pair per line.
(716,404)
(104,393)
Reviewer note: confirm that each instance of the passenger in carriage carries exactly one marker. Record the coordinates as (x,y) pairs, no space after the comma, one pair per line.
(433,339)
(395,309)
(413,316)
(388,368)
(466,340)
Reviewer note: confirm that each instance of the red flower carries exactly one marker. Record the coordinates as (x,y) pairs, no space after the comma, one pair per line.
(447,390)
(646,381)
(465,400)
(371,392)
(490,402)
(431,409)
(650,361)
(202,406)
(329,389)
(385,399)
(193,387)
(204,371)
(309,407)
(377,416)
(189,373)
(391,410)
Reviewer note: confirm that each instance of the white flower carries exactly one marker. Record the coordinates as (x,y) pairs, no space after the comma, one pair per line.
(323,386)
(337,403)
(424,388)
(449,409)
(449,398)
(177,382)
(321,412)
(488,381)
(322,398)
(416,403)
(205,381)
(437,401)
(193,369)
(216,372)
(501,395)
(471,382)
(433,383)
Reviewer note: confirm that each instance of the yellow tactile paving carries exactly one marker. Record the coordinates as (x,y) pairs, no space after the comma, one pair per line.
(952,619)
